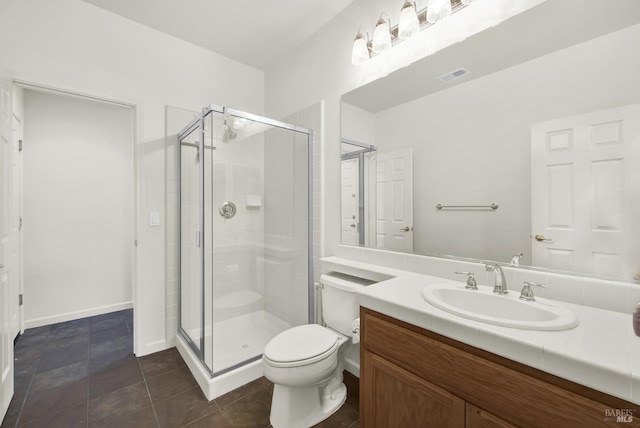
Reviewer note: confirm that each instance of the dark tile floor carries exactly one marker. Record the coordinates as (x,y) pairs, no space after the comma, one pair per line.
(83,373)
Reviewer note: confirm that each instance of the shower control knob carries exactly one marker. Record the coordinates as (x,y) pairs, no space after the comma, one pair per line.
(227,209)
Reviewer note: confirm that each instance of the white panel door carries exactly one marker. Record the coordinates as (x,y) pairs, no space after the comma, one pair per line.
(394,200)
(7,306)
(350,201)
(586,192)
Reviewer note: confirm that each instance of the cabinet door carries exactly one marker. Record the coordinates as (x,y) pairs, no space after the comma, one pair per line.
(394,397)
(478,418)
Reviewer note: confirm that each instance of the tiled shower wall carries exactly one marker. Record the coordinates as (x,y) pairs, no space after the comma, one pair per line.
(237,173)
(190,224)
(312,117)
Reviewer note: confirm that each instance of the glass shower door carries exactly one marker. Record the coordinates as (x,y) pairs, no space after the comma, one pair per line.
(191,293)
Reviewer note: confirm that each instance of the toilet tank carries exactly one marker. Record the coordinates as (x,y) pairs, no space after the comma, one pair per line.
(339,307)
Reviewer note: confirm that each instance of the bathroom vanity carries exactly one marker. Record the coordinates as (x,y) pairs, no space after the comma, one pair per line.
(421,366)
(412,377)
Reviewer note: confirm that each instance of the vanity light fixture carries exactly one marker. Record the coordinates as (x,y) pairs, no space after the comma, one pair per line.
(411,22)
(360,53)
(438,10)
(382,35)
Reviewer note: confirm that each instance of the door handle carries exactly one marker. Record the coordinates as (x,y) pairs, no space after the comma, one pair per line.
(353,225)
(541,238)
(405,229)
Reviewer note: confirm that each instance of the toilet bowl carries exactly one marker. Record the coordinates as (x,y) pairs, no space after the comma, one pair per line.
(305,363)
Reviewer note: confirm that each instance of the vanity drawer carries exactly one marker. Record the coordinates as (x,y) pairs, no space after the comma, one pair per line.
(518,394)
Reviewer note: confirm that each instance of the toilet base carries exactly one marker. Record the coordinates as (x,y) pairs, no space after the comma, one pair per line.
(305,406)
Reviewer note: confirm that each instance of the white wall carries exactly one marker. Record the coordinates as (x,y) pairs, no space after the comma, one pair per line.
(357,125)
(472,142)
(321,69)
(78,207)
(74,45)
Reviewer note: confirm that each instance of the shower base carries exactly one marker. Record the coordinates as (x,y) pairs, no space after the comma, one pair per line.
(235,340)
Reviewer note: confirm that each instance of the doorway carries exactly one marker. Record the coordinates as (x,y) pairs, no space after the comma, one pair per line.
(78,206)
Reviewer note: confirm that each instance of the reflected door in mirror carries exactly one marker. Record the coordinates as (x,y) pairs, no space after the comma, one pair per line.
(394,200)
(350,201)
(583,185)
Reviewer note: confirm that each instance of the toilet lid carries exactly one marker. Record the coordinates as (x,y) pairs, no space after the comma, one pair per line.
(300,343)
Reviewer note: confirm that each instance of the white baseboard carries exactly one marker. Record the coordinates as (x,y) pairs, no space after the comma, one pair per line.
(70,316)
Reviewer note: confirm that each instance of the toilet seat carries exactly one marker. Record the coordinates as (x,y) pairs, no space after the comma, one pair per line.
(300,346)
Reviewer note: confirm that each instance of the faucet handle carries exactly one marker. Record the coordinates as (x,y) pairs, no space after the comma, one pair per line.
(471,281)
(490,267)
(527,292)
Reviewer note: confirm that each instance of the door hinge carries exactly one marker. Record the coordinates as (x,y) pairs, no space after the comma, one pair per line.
(20,224)
(19,145)
(135,243)
(20,299)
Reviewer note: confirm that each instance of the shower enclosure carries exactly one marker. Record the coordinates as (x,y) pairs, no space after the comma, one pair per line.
(245,241)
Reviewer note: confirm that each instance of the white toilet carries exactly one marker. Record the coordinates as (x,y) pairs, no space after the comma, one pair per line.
(305,363)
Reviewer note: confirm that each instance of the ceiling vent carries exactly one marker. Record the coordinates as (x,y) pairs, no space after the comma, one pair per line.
(453,75)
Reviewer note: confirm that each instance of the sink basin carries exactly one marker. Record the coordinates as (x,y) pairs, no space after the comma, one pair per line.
(504,310)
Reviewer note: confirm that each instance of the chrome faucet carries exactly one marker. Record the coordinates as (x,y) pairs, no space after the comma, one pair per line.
(500,286)
(515,260)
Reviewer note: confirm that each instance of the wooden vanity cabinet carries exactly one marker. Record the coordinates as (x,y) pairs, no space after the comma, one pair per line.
(478,418)
(411,377)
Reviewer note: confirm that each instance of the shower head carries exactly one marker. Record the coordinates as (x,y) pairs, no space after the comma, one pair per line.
(229,133)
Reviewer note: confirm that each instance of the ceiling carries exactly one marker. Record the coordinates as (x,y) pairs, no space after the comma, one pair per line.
(546,28)
(251,32)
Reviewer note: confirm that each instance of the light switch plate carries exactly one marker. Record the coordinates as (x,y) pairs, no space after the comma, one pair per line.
(154,219)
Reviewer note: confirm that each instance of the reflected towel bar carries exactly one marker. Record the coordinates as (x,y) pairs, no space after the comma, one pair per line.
(492,206)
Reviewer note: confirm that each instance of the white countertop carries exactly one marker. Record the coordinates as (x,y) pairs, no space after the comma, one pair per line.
(602,352)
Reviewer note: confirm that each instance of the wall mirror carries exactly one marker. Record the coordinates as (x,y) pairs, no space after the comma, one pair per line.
(534,148)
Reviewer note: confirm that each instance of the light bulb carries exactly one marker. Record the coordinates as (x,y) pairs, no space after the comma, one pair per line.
(381,37)
(409,24)
(438,9)
(360,53)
